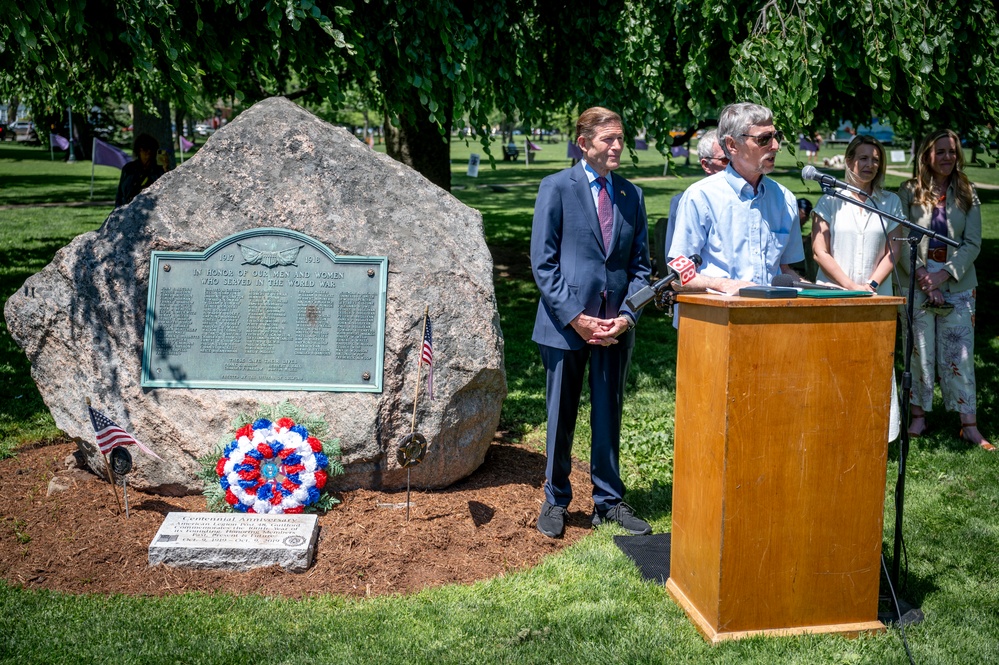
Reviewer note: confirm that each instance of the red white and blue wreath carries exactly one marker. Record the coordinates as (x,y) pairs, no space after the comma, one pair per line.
(272,467)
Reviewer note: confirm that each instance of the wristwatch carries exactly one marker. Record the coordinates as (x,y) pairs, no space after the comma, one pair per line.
(874,284)
(630,319)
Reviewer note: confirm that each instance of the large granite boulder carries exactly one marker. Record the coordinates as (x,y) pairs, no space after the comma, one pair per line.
(81,319)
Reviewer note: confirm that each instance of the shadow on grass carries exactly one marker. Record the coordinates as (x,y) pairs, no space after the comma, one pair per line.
(912,587)
(49,188)
(654,502)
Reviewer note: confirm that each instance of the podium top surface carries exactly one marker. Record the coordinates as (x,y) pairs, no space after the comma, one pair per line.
(712,300)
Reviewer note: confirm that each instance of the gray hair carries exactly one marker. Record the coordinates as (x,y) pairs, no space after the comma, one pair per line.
(706,144)
(736,119)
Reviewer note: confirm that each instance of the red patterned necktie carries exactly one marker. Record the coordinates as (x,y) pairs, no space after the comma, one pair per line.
(605,213)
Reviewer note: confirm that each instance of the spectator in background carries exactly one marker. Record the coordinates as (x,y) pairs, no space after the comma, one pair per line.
(811,147)
(713,160)
(150,163)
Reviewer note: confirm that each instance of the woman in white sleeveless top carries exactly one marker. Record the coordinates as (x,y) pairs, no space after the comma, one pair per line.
(849,243)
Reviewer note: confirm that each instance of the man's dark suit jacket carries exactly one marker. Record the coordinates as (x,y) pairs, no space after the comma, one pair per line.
(570,266)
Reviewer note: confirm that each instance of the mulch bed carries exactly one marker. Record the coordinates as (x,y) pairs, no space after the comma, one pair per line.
(76,541)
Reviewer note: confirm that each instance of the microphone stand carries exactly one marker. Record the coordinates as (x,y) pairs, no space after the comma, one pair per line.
(916,235)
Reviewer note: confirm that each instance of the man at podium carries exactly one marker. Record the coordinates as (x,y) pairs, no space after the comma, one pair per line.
(743,224)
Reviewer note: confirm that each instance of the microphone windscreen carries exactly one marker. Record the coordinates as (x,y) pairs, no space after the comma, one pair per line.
(809,172)
(783,280)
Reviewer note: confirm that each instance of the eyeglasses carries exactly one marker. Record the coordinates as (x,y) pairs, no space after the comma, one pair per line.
(764,140)
(723,160)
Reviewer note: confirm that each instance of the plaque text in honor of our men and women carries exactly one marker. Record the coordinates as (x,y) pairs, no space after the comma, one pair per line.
(265,309)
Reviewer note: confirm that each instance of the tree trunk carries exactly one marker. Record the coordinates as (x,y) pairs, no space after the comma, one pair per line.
(144,122)
(418,144)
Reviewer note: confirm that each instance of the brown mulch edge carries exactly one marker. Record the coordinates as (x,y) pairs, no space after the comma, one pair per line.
(76,541)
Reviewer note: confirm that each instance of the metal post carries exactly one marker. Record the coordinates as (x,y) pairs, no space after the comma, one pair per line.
(72,155)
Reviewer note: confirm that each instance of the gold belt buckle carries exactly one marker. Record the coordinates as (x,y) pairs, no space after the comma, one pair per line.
(939,254)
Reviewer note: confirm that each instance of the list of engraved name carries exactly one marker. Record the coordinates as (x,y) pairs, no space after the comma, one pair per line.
(256,323)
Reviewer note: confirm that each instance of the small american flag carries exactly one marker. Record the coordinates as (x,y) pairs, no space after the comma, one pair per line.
(110,435)
(427,355)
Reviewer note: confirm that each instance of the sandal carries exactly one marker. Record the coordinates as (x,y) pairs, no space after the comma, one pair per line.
(921,432)
(982,443)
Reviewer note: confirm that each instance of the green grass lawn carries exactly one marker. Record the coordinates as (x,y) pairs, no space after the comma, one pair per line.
(586,604)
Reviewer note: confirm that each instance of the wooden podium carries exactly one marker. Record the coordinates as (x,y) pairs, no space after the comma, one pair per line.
(780,454)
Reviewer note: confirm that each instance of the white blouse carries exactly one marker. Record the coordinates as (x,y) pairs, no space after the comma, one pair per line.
(856,236)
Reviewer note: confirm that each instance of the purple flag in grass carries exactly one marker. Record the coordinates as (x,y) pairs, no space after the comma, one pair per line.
(108,155)
(59,142)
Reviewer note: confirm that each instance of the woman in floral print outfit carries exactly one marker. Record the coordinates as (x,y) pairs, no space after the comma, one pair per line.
(941,198)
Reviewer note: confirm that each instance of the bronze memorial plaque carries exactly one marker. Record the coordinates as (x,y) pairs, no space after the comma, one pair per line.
(265,309)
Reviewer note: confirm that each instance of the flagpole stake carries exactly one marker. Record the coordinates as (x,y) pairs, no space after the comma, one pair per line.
(114,489)
(93,147)
(407,493)
(72,156)
(416,397)
(124,488)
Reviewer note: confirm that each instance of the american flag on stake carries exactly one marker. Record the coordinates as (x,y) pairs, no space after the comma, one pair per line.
(110,435)
(427,356)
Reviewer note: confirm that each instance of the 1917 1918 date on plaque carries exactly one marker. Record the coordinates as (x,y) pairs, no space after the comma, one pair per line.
(265,309)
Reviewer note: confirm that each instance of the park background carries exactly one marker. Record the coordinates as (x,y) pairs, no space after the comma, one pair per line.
(588,603)
(432,70)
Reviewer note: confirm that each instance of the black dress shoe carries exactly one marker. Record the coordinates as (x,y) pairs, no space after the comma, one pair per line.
(551,521)
(623,515)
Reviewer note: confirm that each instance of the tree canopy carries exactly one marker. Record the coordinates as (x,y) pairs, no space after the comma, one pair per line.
(433,65)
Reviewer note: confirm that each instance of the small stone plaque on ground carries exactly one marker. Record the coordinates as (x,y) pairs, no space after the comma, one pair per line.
(235,541)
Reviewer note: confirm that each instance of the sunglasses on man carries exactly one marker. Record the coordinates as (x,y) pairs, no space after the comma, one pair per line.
(764,140)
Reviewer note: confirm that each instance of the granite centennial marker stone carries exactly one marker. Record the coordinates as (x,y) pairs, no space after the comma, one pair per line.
(82,320)
(265,309)
(235,541)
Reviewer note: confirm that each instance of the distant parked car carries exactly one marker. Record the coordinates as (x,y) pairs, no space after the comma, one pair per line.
(203,129)
(24,131)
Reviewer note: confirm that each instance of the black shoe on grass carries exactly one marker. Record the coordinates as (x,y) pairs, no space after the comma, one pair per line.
(623,515)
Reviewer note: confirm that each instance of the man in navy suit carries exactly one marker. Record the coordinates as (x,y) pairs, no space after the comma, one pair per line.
(589,252)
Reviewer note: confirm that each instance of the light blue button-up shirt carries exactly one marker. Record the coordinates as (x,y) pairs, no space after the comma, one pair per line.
(738,233)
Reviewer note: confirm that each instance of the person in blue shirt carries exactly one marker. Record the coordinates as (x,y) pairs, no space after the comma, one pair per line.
(589,252)
(743,224)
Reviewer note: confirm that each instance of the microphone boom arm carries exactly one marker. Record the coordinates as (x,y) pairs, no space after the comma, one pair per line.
(916,229)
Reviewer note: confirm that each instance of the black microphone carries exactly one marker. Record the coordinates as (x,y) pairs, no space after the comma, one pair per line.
(648,293)
(811,173)
(789,280)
